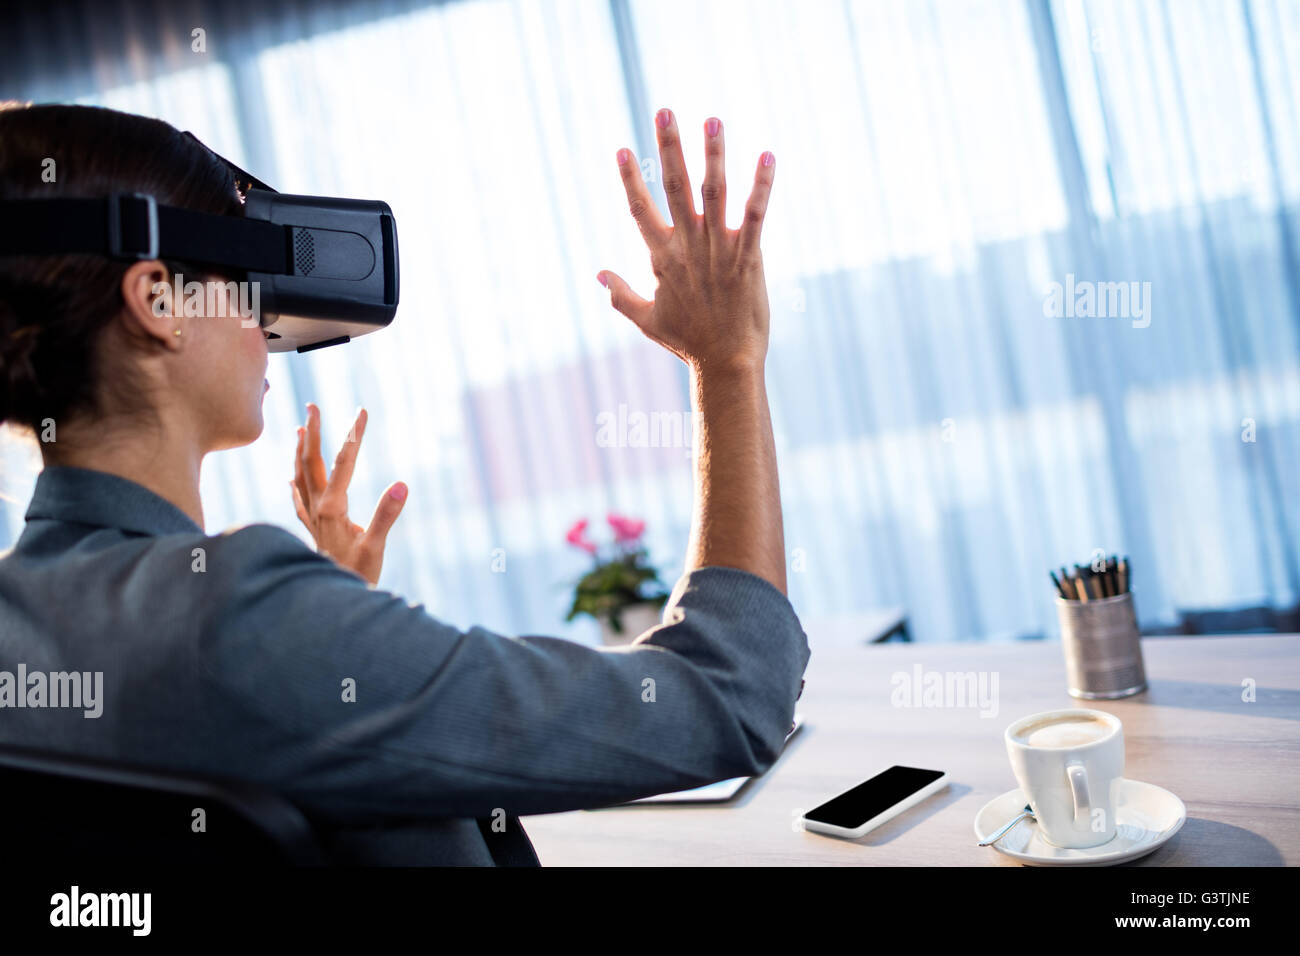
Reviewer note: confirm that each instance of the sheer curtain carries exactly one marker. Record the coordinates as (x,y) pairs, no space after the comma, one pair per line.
(944,438)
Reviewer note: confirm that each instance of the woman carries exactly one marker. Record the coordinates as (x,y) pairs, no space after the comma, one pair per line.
(246,654)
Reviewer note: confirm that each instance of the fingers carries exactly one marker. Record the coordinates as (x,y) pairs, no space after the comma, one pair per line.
(313,466)
(677,185)
(622,298)
(346,460)
(301,508)
(756,206)
(391,503)
(299,475)
(653,228)
(714,190)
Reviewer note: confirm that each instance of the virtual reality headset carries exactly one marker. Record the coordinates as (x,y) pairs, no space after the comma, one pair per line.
(325,269)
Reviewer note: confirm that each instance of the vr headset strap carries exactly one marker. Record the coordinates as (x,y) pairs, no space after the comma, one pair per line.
(134,226)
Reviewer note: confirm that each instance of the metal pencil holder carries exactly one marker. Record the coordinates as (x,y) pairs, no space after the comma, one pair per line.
(1103,656)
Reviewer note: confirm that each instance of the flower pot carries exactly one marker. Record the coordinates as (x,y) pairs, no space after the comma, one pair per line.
(636,619)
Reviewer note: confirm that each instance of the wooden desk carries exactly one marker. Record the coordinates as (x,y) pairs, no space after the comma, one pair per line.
(1236,765)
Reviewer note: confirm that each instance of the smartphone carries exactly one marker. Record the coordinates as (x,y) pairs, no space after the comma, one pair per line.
(875,801)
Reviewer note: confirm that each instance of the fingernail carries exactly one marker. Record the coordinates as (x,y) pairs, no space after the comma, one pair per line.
(600,277)
(397,492)
(711,127)
(768,158)
(623,156)
(663,118)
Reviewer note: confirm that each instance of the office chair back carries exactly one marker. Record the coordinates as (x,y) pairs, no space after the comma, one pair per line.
(78,810)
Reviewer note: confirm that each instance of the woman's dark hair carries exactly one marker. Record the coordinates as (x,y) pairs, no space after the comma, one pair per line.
(54,308)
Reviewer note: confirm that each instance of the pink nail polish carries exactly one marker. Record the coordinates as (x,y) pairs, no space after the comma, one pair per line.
(663,118)
(712,127)
(768,159)
(623,157)
(397,492)
(600,277)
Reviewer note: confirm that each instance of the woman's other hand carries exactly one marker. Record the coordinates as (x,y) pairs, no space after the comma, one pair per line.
(710,307)
(322,501)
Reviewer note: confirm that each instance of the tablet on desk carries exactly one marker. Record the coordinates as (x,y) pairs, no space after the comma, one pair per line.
(719,792)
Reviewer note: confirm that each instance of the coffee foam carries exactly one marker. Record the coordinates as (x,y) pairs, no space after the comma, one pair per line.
(1064,731)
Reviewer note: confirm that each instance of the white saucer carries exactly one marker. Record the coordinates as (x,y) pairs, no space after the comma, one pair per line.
(1146,817)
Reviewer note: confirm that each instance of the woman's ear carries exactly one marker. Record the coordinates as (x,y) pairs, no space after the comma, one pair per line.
(150,309)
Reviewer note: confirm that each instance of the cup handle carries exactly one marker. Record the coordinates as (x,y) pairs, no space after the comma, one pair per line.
(1079,788)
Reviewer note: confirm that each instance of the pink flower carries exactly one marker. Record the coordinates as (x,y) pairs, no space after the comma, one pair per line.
(577,538)
(626,530)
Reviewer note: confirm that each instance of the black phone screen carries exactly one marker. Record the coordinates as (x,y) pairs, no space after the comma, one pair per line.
(870,799)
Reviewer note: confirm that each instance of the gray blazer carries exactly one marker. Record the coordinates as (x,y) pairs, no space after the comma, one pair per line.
(246,654)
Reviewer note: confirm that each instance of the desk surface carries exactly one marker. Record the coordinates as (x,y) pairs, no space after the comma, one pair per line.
(1235,764)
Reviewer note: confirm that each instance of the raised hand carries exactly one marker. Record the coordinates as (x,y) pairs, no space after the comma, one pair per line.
(710,307)
(322,501)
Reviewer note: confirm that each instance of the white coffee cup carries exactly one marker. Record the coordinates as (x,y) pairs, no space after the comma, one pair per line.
(1069,764)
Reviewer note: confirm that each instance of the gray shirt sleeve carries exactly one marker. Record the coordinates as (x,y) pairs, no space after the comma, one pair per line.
(464,723)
